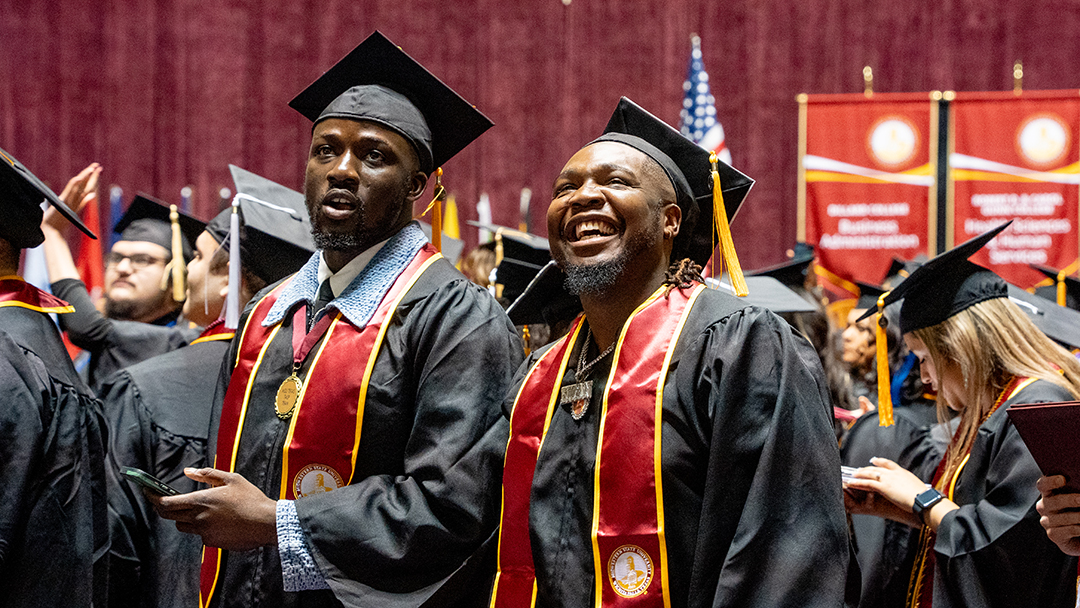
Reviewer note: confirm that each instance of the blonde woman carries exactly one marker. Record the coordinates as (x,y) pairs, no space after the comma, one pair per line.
(981,543)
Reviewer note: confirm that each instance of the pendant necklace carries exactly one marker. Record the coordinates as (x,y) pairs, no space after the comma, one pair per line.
(288,394)
(579,394)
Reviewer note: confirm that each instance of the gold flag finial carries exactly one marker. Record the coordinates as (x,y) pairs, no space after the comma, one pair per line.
(1018,77)
(868,81)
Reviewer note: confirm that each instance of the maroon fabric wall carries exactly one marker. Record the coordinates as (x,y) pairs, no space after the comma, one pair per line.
(167,93)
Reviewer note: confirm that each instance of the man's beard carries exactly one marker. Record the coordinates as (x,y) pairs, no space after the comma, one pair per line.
(599,279)
(130,310)
(340,241)
(594,279)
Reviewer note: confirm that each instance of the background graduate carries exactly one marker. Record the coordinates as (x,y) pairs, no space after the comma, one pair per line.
(53,526)
(345,434)
(142,310)
(708,478)
(981,543)
(159,410)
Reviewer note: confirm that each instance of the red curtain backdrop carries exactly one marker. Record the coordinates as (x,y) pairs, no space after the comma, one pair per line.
(166,93)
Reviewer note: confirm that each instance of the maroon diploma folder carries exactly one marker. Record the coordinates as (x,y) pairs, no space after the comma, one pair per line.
(1052,434)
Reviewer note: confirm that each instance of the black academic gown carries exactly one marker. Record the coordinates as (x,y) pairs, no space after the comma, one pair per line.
(159,413)
(53,524)
(753,506)
(112,344)
(423,499)
(992,551)
(885,548)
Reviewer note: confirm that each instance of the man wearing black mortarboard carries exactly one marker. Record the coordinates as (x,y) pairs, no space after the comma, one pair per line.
(383,393)
(53,524)
(676,448)
(160,408)
(144,286)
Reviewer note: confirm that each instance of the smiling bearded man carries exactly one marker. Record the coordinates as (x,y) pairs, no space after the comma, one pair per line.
(371,373)
(675,449)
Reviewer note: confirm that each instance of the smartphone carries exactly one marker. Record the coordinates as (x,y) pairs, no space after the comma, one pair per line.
(847,474)
(148,481)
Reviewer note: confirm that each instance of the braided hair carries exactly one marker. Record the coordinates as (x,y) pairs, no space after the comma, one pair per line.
(682,274)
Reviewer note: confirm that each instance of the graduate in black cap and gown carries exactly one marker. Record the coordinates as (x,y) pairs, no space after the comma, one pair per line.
(980,540)
(144,289)
(676,448)
(159,410)
(53,526)
(346,461)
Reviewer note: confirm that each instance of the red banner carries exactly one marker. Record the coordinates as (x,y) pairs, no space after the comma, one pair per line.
(867,168)
(1015,157)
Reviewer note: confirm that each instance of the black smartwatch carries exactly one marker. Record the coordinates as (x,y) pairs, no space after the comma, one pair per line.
(924,501)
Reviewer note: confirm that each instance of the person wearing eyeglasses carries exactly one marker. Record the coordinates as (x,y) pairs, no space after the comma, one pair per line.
(142,316)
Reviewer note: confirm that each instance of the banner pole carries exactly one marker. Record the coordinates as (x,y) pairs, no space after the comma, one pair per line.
(800,228)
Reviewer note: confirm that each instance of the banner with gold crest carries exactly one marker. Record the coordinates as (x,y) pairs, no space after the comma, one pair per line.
(867,180)
(1014,156)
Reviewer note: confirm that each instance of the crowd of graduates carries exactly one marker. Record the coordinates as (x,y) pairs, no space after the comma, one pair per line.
(302,402)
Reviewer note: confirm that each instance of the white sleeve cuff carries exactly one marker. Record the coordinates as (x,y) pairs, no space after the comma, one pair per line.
(299,572)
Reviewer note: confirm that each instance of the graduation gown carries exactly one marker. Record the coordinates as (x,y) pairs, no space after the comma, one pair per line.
(753,507)
(423,500)
(112,344)
(992,550)
(53,524)
(159,413)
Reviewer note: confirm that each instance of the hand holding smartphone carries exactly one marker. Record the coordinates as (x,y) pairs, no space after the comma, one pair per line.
(148,481)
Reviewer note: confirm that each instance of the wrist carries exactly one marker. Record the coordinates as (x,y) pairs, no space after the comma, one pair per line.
(924,502)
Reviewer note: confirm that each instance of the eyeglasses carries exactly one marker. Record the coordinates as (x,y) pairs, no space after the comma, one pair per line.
(138,261)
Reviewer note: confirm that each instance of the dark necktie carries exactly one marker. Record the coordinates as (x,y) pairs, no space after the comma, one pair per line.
(325,295)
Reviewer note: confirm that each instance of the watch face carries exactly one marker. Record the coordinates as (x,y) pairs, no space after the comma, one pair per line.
(926,499)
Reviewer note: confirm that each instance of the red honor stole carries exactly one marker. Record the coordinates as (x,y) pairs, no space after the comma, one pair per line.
(16,292)
(629,551)
(921,583)
(324,429)
(215,331)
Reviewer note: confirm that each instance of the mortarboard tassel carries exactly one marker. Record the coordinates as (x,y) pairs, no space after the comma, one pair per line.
(721,228)
(1061,289)
(498,259)
(232,300)
(179,290)
(884,393)
(525,339)
(436,216)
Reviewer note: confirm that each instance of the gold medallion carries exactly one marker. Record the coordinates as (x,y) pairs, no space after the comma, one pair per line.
(287,396)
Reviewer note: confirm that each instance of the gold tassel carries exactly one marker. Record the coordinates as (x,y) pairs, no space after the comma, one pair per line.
(721,228)
(436,216)
(498,259)
(884,386)
(525,339)
(179,290)
(1061,288)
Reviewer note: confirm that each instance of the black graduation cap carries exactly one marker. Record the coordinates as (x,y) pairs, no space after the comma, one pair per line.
(687,166)
(791,273)
(147,219)
(523,256)
(275,232)
(767,292)
(545,299)
(1059,323)
(946,285)
(378,82)
(22,193)
(1072,287)
(451,247)
(868,295)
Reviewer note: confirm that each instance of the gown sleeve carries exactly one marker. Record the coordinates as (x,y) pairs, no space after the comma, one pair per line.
(773,528)
(86,327)
(408,533)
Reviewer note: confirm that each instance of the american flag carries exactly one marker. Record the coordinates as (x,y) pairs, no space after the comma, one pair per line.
(697,121)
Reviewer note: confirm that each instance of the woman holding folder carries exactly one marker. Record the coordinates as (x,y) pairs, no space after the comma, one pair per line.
(981,543)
